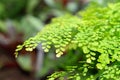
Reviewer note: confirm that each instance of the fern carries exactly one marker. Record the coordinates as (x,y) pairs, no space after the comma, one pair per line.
(97,33)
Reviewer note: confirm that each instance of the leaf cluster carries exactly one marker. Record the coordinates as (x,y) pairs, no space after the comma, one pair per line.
(96,31)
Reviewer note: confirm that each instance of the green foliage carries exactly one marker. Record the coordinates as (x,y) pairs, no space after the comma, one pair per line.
(97,33)
(30,25)
(9,8)
(2,26)
(25,62)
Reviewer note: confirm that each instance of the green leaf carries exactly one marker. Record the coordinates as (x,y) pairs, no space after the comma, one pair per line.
(99,66)
(88,60)
(85,49)
(46,50)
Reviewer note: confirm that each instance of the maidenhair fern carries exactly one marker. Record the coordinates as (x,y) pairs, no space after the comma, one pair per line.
(96,31)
